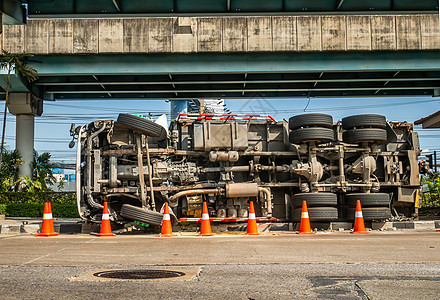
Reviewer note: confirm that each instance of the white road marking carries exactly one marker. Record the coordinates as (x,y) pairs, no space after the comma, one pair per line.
(43,256)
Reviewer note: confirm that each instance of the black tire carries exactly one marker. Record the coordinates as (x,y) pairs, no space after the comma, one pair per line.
(146,126)
(369,213)
(368,200)
(314,199)
(310,120)
(317,134)
(364,121)
(140,214)
(376,135)
(317,214)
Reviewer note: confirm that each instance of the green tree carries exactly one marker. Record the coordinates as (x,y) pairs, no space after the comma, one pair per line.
(9,170)
(432,198)
(41,177)
(14,62)
(43,170)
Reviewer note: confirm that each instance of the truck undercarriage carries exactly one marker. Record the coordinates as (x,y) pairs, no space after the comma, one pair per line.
(136,166)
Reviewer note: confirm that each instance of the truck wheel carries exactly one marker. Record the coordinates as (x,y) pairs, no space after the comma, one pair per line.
(368,200)
(361,121)
(310,120)
(317,134)
(146,126)
(314,199)
(140,214)
(317,214)
(369,213)
(377,135)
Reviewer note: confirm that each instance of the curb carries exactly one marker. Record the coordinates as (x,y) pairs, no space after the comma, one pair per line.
(22,226)
(406,225)
(35,228)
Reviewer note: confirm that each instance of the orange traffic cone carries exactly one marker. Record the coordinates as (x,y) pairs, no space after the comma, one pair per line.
(106,229)
(252,222)
(205,227)
(167,230)
(304,227)
(359,227)
(47,227)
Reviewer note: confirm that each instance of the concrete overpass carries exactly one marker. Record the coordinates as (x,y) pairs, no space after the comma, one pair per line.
(227,49)
(225,34)
(223,56)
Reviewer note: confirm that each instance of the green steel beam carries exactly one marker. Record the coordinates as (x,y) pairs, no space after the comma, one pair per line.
(411,4)
(416,73)
(340,2)
(246,95)
(16,83)
(307,13)
(67,65)
(376,5)
(117,4)
(242,90)
(13,12)
(121,8)
(233,81)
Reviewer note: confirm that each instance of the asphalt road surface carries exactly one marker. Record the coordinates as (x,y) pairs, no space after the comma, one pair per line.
(381,265)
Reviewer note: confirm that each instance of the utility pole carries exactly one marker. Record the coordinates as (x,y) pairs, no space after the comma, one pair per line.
(431,165)
(202,105)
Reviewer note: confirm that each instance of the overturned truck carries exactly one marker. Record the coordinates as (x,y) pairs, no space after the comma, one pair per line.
(136,166)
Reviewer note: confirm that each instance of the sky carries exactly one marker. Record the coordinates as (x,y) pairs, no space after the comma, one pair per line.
(52,128)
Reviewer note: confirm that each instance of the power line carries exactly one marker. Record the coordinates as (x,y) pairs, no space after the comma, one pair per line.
(66,117)
(343,108)
(104,108)
(41,140)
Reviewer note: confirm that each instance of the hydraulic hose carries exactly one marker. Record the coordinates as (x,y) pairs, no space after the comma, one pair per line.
(268,199)
(78,172)
(173,199)
(90,199)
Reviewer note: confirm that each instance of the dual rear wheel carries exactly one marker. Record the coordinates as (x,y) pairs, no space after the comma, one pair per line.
(319,128)
(364,128)
(321,206)
(311,128)
(375,206)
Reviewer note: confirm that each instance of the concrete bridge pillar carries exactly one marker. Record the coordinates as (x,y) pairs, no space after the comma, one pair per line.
(25,107)
(24,142)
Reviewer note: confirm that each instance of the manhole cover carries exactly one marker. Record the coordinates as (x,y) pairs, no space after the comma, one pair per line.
(139,274)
